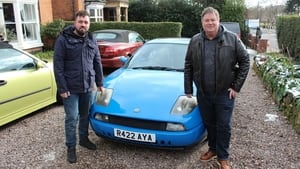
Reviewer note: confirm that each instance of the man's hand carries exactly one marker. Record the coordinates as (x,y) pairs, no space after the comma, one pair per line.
(100,89)
(65,95)
(232,93)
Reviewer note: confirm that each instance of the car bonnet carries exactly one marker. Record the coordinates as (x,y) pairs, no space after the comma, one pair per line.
(144,93)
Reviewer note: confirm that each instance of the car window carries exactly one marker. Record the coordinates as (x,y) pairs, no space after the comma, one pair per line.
(139,38)
(135,37)
(12,60)
(105,36)
(162,55)
(233,27)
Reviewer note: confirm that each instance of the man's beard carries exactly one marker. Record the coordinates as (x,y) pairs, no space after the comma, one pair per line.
(80,32)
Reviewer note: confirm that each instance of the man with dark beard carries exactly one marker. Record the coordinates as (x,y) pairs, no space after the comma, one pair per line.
(77,68)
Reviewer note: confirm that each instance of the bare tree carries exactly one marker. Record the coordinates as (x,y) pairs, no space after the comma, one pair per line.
(266,15)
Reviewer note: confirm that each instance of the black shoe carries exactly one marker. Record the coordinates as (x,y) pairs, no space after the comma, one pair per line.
(71,154)
(87,144)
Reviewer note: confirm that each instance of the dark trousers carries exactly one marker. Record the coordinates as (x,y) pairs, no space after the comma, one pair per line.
(216,111)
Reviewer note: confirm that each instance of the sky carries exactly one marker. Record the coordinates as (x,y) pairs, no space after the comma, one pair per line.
(253,3)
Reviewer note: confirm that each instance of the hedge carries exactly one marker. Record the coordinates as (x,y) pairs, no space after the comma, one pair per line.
(282,78)
(149,30)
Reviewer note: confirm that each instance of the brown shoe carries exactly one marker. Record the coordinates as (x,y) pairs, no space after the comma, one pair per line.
(209,155)
(223,164)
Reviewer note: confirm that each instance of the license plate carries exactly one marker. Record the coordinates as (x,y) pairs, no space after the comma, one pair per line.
(136,136)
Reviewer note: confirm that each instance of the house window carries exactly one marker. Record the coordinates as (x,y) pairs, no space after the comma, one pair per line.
(20,23)
(96,15)
(29,21)
(10,31)
(95,10)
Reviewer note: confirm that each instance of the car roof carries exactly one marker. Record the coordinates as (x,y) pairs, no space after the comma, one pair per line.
(175,40)
(114,30)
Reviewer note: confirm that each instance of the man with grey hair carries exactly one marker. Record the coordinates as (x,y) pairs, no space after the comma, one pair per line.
(218,63)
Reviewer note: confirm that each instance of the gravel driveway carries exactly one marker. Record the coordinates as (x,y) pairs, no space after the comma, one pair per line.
(262,139)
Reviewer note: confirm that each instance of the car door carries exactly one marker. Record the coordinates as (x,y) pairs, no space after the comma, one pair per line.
(26,84)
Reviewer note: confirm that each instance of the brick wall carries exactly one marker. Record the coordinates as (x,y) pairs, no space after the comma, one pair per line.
(66,9)
(45,10)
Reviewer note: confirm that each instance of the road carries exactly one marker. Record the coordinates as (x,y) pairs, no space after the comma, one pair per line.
(270,35)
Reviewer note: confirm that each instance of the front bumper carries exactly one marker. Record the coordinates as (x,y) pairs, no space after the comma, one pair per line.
(179,139)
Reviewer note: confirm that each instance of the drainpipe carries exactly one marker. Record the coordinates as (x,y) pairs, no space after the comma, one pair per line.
(73,7)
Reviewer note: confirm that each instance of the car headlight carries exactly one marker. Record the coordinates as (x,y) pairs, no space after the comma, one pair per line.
(104,97)
(184,105)
(102,117)
(174,127)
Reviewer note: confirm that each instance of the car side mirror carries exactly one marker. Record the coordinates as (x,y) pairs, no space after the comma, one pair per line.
(123,59)
(39,65)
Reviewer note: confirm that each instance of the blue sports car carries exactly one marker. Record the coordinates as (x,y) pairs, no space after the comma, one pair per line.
(143,102)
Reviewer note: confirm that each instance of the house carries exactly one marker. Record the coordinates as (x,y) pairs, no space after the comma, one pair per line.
(20,20)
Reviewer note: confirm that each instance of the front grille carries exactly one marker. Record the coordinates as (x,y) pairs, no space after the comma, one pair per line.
(138,123)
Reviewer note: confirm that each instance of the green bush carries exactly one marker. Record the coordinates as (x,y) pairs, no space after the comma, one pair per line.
(288,35)
(282,78)
(53,29)
(50,32)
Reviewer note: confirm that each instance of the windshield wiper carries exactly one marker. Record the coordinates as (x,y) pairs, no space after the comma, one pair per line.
(158,68)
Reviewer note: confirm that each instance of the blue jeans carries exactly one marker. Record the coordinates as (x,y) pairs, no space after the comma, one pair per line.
(77,105)
(216,111)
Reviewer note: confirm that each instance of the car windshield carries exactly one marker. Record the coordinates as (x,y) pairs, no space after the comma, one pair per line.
(159,57)
(14,60)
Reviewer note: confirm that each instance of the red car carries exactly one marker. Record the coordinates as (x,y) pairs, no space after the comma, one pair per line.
(114,43)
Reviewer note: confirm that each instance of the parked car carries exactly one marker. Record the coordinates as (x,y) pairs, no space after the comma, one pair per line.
(233,27)
(26,84)
(143,102)
(114,43)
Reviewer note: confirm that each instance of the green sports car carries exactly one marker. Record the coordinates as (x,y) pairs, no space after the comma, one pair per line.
(26,84)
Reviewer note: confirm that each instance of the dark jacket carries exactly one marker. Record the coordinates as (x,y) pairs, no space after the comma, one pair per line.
(232,63)
(77,62)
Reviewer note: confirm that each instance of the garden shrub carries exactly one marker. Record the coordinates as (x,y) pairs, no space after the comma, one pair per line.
(282,78)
